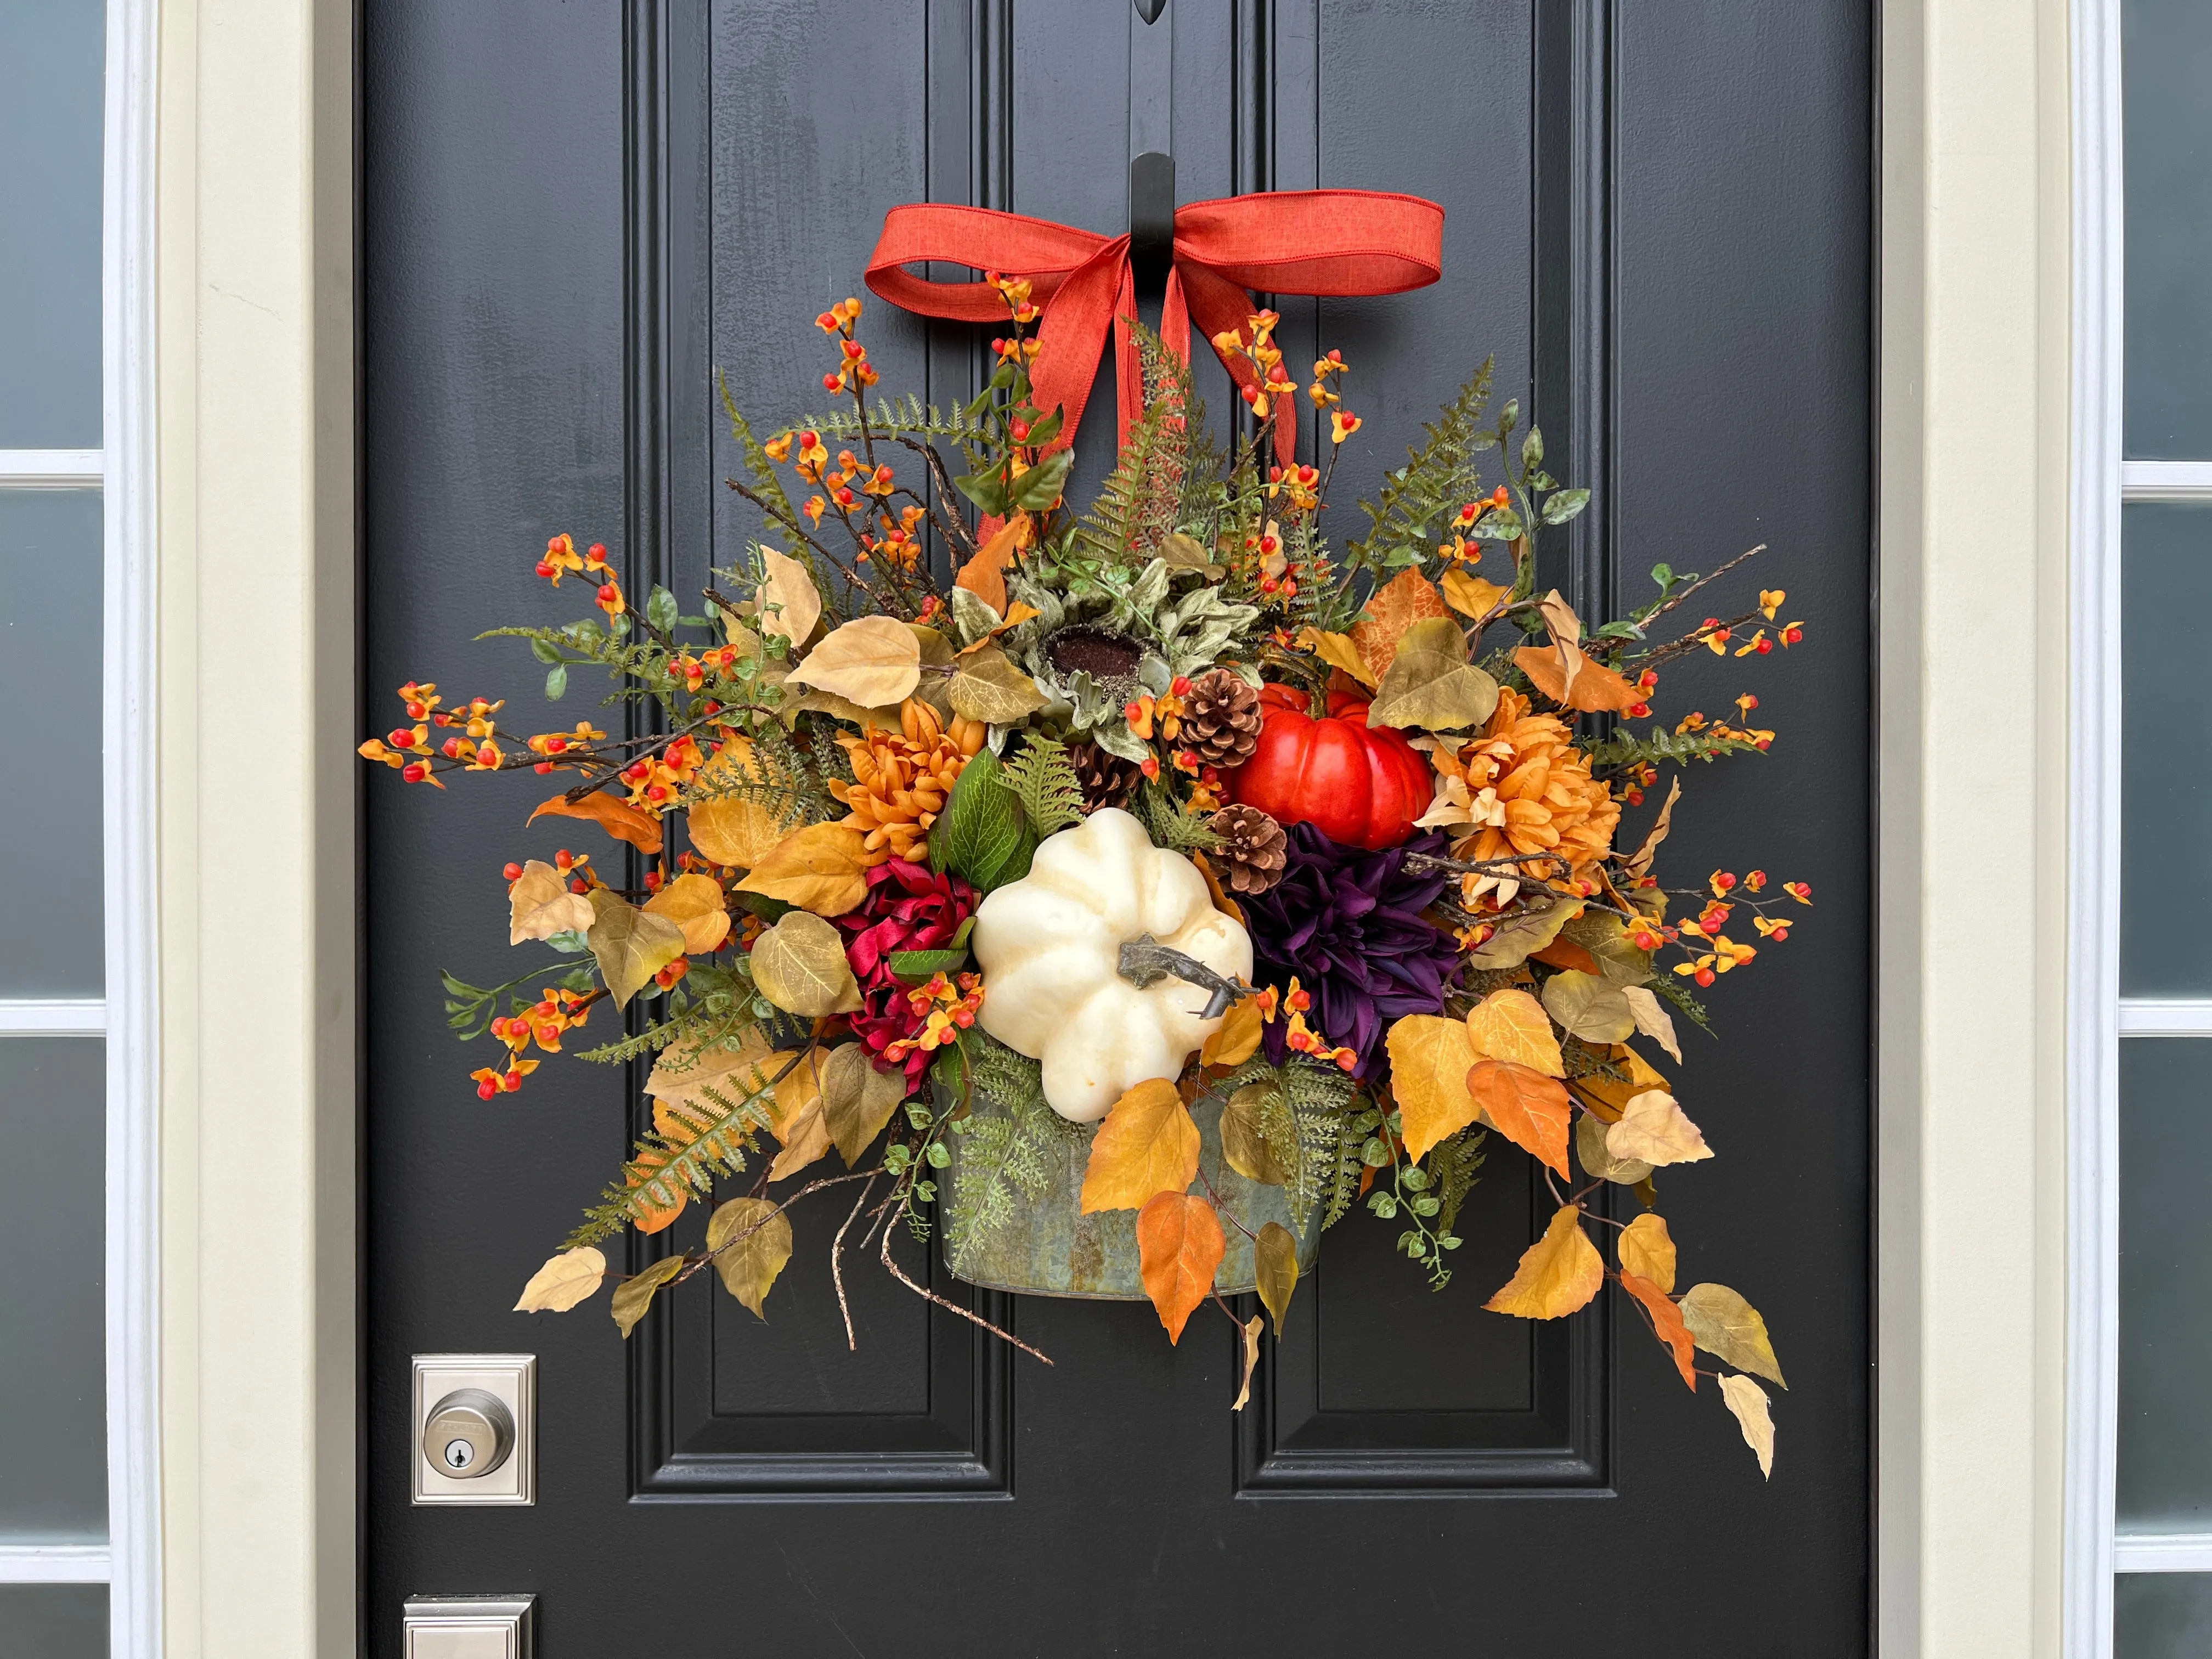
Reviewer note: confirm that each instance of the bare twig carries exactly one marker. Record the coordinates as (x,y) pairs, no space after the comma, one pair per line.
(1704,582)
(950,1306)
(837,1265)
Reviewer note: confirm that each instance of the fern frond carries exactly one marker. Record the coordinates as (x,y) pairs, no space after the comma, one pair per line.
(1438,479)
(1043,779)
(706,1138)
(780,777)
(1012,1142)
(1138,505)
(654,1038)
(907,416)
(766,483)
(1169,826)
(1453,1167)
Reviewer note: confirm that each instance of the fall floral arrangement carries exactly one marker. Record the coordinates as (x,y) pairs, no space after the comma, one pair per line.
(1164,866)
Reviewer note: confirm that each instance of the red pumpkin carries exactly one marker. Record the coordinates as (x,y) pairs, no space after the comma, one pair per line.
(1358,785)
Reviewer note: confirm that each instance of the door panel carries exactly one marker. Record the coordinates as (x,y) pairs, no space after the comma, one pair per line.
(1657,222)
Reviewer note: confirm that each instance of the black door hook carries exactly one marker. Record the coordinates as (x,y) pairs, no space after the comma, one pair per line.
(1151,217)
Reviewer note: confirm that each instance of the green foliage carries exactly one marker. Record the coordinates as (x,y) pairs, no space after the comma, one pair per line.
(1140,504)
(767,482)
(1014,1142)
(471,1009)
(1169,826)
(1453,1166)
(713,1138)
(1043,779)
(907,416)
(1439,478)
(1659,746)
(786,780)
(983,837)
(1677,991)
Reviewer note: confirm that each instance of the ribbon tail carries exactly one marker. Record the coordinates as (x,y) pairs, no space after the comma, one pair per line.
(1128,361)
(1073,334)
(1218,306)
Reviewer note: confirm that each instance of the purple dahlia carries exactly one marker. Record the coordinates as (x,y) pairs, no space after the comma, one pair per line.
(909,907)
(1348,923)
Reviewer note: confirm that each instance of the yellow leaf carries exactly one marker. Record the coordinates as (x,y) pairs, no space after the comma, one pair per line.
(751,1240)
(1730,1329)
(985,575)
(1472,595)
(1242,1144)
(1510,1024)
(821,868)
(799,965)
(695,903)
(631,946)
(618,818)
(1589,1006)
(857,1098)
(1430,1057)
(801,1123)
(1653,1019)
(1647,1250)
(874,661)
(1430,682)
(1236,1037)
(1179,1248)
(1528,1109)
(790,603)
(540,905)
(1251,1327)
(1748,1402)
(563,1282)
(635,1295)
(1147,1145)
(1559,1274)
(733,832)
(986,686)
(1654,1129)
(1275,1265)
(1338,651)
(1391,609)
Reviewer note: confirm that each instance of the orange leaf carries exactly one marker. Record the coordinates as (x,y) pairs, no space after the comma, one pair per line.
(618,819)
(985,575)
(1215,891)
(1179,1247)
(1666,1324)
(1566,953)
(1391,609)
(1559,1274)
(1147,1145)
(1596,689)
(1236,1037)
(1528,1109)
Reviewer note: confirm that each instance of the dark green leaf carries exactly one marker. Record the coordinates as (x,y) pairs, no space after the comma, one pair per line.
(914,967)
(980,830)
(1043,432)
(661,609)
(984,490)
(1040,487)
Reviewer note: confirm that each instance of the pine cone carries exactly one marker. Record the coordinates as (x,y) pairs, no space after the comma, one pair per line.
(1252,847)
(1221,719)
(1107,779)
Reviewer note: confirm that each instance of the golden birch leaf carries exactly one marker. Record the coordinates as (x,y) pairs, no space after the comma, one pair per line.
(1654,1129)
(563,1281)
(1147,1145)
(1236,1038)
(1596,689)
(1647,1249)
(1430,1057)
(1653,1019)
(1338,651)
(1179,1248)
(874,661)
(540,905)
(986,686)
(1472,595)
(1730,1329)
(1251,1327)
(1242,1144)
(1748,1402)
(631,946)
(634,1294)
(1590,1147)
(1559,1274)
(801,1122)
(618,818)
(1589,1007)
(1392,610)
(1607,1096)
(750,1241)
(1529,1109)
(857,1098)
(695,903)
(1510,1024)
(799,965)
(735,833)
(1275,1265)
(1666,1324)
(985,575)
(1430,684)
(822,868)
(790,603)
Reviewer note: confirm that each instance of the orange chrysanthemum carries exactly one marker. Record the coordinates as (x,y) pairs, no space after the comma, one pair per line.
(1532,793)
(901,779)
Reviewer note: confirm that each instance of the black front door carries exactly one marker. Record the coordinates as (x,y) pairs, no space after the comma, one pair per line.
(1658,214)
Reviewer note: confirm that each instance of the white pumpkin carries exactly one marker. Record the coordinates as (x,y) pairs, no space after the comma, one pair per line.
(1051,947)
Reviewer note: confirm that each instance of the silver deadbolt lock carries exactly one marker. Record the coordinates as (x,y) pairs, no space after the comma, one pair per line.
(469,1434)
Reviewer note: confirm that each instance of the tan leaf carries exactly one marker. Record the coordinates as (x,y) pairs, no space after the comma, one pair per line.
(1275,1266)
(1559,1274)
(1338,651)
(1251,1327)
(1522,933)
(1654,1129)
(799,965)
(1589,1007)
(619,819)
(635,1295)
(1666,1324)
(1529,1109)
(1179,1248)
(843,708)
(801,1123)
(1748,1402)
(1146,1145)
(857,1098)
(563,1281)
(695,903)
(1430,684)
(1653,1019)
(1472,595)
(631,946)
(822,867)
(1639,863)
(1429,1060)
(1187,552)
(875,661)
(1608,1097)
(1242,1144)
(985,575)
(1596,689)
(1566,638)
(1647,1249)
(934,649)
(1391,609)
(686,1070)
(986,686)
(751,1240)
(1590,1147)
(1510,1024)
(540,905)
(1730,1329)
(790,603)
(1236,1039)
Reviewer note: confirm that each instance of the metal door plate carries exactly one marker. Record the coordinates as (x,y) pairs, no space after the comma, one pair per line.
(512,1377)
(469,1626)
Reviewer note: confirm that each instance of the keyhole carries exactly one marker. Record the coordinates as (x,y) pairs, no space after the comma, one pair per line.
(460,1453)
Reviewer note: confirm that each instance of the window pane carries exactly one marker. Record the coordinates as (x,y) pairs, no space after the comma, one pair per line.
(54,1621)
(2162,1615)
(50,686)
(2167,52)
(51,121)
(2166,926)
(53,1407)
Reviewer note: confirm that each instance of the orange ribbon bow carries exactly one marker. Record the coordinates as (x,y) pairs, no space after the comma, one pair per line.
(1327,242)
